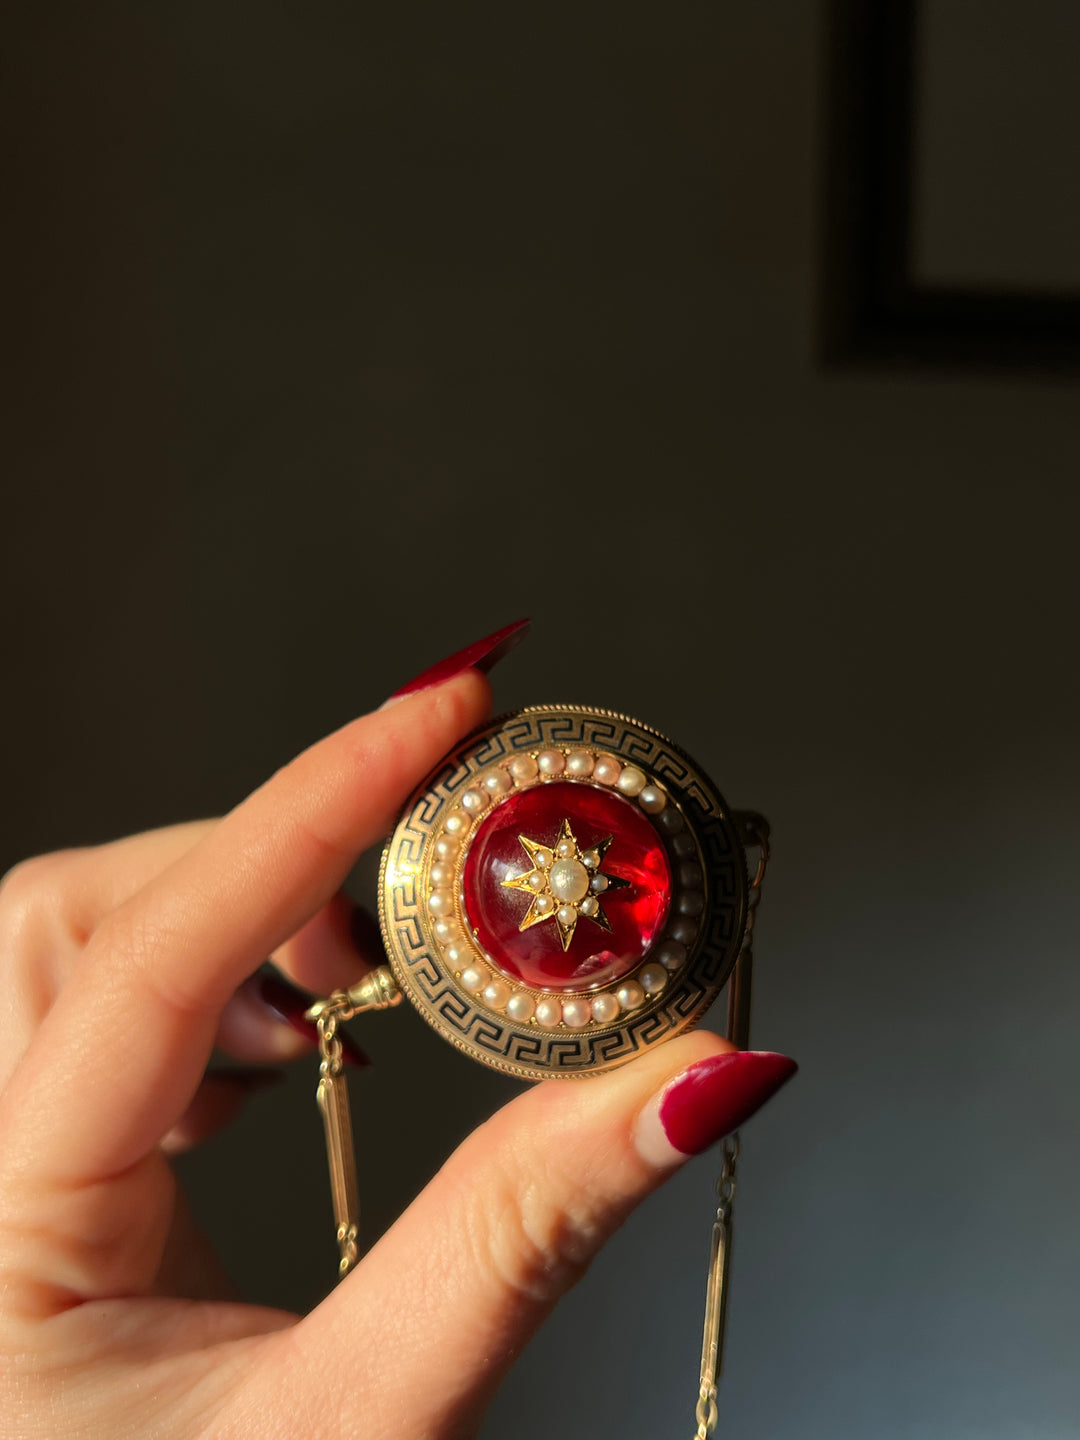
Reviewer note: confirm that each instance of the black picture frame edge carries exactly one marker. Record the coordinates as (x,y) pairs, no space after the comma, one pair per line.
(871,311)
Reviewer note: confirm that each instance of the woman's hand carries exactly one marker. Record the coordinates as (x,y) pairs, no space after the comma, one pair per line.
(121,968)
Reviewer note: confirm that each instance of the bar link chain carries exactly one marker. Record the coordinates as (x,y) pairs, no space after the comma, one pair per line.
(334,1103)
(377,991)
(754,832)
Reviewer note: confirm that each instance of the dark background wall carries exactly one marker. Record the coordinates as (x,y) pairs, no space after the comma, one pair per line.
(337,335)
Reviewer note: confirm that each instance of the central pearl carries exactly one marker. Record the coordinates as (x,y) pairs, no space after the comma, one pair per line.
(534,958)
(569,880)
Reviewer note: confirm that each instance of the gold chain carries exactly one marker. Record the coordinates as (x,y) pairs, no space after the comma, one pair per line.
(754,830)
(377,991)
(380,991)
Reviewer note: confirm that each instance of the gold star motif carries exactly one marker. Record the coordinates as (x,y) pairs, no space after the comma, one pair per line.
(564,883)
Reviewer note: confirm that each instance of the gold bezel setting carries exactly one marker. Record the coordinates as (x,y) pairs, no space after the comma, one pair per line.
(461,991)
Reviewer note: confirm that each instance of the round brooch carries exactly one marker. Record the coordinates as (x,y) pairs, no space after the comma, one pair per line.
(567,889)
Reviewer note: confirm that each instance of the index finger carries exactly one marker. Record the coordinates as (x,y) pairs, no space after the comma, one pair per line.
(120,1054)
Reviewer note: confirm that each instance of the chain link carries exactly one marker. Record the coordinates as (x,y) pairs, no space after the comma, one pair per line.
(330,1052)
(754,831)
(330,1067)
(377,991)
(333,1099)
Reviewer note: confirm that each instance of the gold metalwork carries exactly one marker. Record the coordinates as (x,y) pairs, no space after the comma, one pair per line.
(754,831)
(332,1097)
(589,860)
(377,991)
(432,977)
(380,990)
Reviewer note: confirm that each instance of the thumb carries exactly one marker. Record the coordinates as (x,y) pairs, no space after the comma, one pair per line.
(513,1219)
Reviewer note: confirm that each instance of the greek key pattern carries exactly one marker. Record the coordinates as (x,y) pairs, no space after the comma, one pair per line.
(526,1050)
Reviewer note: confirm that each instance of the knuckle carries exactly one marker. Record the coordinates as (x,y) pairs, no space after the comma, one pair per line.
(34,934)
(32,896)
(127,948)
(451,712)
(129,937)
(536,1227)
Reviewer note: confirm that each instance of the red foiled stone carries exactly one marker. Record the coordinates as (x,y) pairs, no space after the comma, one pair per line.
(636,913)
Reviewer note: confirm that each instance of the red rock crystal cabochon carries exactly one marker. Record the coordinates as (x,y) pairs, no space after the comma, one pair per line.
(566,886)
(566,889)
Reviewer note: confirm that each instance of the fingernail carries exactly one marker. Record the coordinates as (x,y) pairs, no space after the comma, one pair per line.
(366,936)
(480,655)
(707,1101)
(288,1004)
(248,1078)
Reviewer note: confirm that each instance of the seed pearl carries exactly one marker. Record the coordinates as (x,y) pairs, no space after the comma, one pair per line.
(683,931)
(447,930)
(474,979)
(473,801)
(576,1013)
(565,849)
(446,847)
(683,845)
(671,822)
(520,1006)
(544,859)
(599,883)
(653,978)
(690,874)
(631,781)
(548,1012)
(652,800)
(607,770)
(441,873)
(523,769)
(496,994)
(566,915)
(605,1008)
(441,902)
(569,880)
(458,954)
(589,906)
(551,762)
(579,762)
(456,822)
(543,904)
(495,782)
(591,859)
(630,995)
(671,954)
(690,903)
(537,880)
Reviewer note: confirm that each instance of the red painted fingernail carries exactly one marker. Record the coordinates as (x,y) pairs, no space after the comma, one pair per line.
(715,1096)
(366,936)
(288,1004)
(248,1078)
(480,655)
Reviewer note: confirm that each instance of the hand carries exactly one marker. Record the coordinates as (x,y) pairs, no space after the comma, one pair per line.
(121,967)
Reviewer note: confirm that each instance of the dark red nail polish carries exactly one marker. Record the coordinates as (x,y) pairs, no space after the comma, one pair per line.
(366,936)
(248,1078)
(480,655)
(717,1095)
(289,1004)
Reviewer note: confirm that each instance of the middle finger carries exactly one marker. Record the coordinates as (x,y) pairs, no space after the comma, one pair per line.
(53,905)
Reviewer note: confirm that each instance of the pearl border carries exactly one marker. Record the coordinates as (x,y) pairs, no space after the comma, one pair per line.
(529,1053)
(578,1010)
